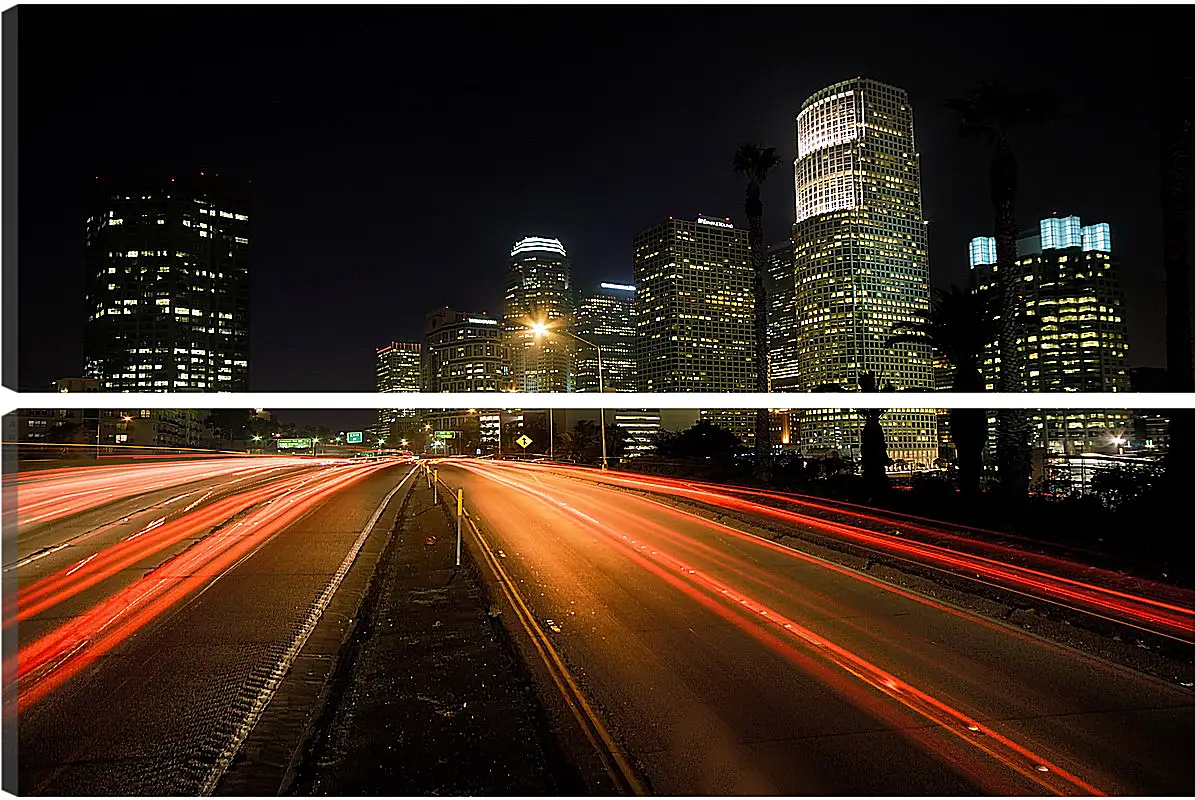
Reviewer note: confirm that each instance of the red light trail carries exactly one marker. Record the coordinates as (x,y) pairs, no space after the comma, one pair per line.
(747,612)
(1173,619)
(46,663)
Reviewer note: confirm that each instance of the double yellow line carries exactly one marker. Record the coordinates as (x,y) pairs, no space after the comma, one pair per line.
(613,759)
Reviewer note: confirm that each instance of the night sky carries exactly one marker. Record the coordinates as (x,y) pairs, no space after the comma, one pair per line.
(396,153)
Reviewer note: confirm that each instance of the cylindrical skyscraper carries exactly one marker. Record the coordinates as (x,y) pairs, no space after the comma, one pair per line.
(539,290)
(860,261)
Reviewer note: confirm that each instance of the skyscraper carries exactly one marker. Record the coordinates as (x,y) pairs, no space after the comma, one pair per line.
(607,318)
(1074,337)
(782,319)
(539,290)
(464,352)
(399,369)
(168,285)
(860,262)
(693,307)
(694,312)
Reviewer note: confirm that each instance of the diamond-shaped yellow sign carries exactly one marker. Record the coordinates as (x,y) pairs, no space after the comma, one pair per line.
(523,441)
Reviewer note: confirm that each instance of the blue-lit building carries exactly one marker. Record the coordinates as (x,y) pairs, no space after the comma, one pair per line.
(1073,336)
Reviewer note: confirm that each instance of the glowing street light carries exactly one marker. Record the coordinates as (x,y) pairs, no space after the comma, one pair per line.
(541,329)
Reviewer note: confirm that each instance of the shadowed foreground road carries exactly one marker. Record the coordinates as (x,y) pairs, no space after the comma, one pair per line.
(726,664)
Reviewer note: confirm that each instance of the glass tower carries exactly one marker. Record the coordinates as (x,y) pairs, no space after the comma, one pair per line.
(539,290)
(168,285)
(1074,337)
(860,263)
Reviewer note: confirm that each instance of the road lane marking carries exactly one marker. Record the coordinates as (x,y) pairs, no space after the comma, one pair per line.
(903,692)
(612,757)
(279,671)
(81,563)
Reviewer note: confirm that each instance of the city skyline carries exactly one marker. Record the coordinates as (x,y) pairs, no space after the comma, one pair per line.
(600,243)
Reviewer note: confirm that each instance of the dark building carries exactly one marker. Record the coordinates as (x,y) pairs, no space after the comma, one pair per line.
(1151,427)
(399,369)
(782,319)
(168,285)
(607,318)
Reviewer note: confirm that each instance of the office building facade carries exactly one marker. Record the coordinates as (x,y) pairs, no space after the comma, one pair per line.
(399,368)
(167,285)
(860,263)
(694,312)
(783,374)
(539,290)
(1073,335)
(606,318)
(694,307)
(464,352)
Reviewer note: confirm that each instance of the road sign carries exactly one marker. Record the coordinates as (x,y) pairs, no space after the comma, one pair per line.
(446,434)
(294,444)
(523,441)
(353,437)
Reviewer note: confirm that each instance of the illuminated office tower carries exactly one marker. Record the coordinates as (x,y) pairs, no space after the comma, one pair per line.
(1074,337)
(860,263)
(464,352)
(399,369)
(694,312)
(693,307)
(607,318)
(539,290)
(167,285)
(782,319)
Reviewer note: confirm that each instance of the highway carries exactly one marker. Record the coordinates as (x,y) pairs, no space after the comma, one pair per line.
(723,663)
(1029,569)
(158,606)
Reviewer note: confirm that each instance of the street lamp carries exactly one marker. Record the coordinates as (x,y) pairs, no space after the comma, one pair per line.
(314,449)
(540,329)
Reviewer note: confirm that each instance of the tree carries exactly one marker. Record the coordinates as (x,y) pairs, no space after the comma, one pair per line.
(616,441)
(991,111)
(873,450)
(704,440)
(229,423)
(754,162)
(1175,139)
(958,326)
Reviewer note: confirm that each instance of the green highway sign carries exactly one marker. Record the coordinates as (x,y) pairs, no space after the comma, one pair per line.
(294,444)
(446,434)
(353,437)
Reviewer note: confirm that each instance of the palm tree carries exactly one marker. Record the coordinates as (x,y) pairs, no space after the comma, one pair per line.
(754,161)
(958,326)
(1175,134)
(873,449)
(991,111)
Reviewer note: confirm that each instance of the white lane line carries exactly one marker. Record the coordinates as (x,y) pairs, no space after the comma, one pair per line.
(279,671)
(157,522)
(75,568)
(197,502)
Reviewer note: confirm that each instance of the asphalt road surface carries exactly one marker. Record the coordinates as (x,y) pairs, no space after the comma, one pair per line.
(153,622)
(727,664)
